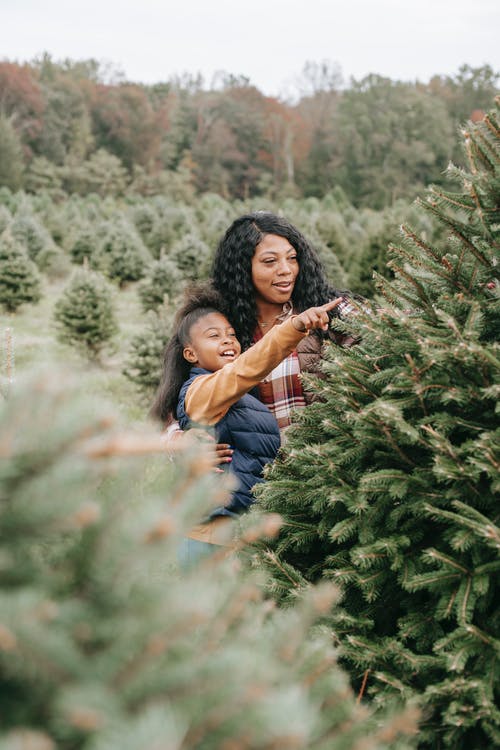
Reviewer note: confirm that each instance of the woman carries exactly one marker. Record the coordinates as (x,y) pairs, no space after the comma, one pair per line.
(265,271)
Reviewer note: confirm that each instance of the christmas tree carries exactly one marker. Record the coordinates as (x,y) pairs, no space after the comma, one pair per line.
(192,256)
(387,484)
(84,313)
(104,645)
(122,254)
(145,359)
(84,245)
(19,277)
(163,279)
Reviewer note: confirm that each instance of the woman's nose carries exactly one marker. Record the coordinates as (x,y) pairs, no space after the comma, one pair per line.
(284,268)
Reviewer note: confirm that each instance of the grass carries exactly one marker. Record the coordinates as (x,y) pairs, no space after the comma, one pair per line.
(35,346)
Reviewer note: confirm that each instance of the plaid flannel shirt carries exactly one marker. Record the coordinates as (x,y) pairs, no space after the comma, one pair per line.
(282,391)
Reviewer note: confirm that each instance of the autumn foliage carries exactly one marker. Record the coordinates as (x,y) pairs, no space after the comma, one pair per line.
(231,139)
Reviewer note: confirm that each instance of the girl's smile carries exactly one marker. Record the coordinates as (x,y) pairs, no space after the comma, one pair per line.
(212,343)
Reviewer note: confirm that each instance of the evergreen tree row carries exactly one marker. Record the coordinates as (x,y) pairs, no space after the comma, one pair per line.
(166,242)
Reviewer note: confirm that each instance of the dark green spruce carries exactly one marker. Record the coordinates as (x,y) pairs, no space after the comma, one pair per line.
(388,485)
(84,313)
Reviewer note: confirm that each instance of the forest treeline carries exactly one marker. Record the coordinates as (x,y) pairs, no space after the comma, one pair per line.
(65,128)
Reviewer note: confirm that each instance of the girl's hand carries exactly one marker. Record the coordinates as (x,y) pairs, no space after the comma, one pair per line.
(315,317)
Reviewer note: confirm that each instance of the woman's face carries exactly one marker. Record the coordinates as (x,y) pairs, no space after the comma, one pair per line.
(274,270)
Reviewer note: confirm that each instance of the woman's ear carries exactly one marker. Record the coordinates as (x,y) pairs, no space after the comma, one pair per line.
(189,354)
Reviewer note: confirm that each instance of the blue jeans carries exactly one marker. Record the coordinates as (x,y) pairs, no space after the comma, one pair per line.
(191,551)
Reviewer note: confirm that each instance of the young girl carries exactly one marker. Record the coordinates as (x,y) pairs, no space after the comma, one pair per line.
(206,382)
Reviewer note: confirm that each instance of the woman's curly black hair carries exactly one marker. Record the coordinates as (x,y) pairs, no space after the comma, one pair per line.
(232,271)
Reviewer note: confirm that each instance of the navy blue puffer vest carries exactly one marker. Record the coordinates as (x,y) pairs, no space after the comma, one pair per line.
(252,431)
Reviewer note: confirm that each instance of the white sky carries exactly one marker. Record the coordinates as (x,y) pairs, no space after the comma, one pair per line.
(267,40)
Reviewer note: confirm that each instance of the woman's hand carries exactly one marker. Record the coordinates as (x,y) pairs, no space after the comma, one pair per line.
(223,455)
(174,438)
(222,451)
(315,317)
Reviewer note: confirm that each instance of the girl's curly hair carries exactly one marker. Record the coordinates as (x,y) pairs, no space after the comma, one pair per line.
(232,271)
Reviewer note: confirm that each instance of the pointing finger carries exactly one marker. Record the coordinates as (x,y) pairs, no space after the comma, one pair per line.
(331,305)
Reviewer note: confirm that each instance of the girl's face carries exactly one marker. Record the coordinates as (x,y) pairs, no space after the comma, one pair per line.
(274,270)
(213,342)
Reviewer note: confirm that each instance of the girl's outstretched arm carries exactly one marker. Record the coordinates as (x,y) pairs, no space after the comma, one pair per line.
(210,396)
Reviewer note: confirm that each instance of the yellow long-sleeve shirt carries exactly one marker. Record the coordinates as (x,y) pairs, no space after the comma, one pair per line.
(209,397)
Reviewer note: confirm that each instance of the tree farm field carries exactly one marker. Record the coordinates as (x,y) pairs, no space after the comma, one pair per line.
(387,487)
(29,343)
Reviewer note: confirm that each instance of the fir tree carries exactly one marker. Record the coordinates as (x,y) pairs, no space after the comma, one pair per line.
(333,268)
(388,485)
(19,278)
(44,175)
(28,230)
(5,218)
(84,245)
(145,359)
(192,257)
(122,255)
(84,313)
(172,223)
(103,645)
(163,279)
(102,173)
(144,217)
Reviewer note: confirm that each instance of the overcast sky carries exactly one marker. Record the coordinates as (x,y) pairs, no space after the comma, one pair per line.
(267,40)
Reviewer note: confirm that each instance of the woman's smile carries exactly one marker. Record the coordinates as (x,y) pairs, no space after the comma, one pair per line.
(274,270)
(284,286)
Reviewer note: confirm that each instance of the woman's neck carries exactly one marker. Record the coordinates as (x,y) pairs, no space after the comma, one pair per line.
(268,313)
